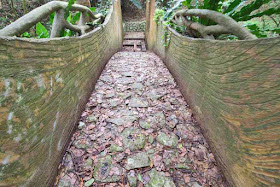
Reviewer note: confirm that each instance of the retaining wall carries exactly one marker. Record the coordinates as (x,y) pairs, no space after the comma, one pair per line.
(233,88)
(44,86)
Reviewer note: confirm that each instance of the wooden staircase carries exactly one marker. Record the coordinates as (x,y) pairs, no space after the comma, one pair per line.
(134,41)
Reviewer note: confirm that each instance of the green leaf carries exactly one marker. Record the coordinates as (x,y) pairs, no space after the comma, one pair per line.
(233,6)
(89,182)
(26,35)
(52,17)
(248,9)
(93,9)
(139,177)
(170,11)
(76,18)
(41,31)
(137,3)
(254,29)
(69,6)
(267,12)
(69,18)
(187,3)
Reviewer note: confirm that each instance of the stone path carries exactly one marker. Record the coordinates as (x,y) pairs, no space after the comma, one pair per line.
(137,130)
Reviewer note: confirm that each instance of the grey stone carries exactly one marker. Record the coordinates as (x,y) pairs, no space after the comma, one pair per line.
(128,74)
(138,102)
(109,95)
(182,131)
(106,78)
(80,144)
(139,160)
(172,121)
(182,166)
(81,125)
(158,179)
(125,80)
(132,180)
(116,148)
(145,124)
(122,120)
(113,102)
(133,139)
(159,119)
(154,95)
(167,140)
(151,139)
(138,86)
(102,169)
(194,184)
(92,118)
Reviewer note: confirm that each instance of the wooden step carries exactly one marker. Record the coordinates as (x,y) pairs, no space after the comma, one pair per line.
(134,36)
(131,42)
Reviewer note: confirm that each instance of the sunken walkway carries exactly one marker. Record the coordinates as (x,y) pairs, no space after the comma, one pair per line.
(137,130)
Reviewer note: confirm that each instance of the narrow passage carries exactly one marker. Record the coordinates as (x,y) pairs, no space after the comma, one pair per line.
(137,130)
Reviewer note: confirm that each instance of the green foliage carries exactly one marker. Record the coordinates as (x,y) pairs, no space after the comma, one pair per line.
(67,11)
(76,18)
(137,3)
(52,17)
(254,29)
(267,12)
(26,35)
(170,11)
(41,31)
(159,13)
(233,8)
(165,38)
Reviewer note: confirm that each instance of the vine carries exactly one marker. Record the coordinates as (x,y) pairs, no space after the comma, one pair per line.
(165,38)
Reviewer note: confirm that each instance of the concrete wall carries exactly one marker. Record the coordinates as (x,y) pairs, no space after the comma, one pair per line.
(233,88)
(44,86)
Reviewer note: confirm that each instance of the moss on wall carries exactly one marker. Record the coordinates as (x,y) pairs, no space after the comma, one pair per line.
(233,88)
(44,86)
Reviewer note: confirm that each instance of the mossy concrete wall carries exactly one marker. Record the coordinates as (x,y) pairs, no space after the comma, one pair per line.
(135,26)
(233,88)
(44,86)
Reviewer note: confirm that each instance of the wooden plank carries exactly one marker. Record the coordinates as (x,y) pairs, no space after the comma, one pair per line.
(134,36)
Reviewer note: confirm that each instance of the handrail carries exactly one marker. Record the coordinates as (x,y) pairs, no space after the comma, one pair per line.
(27,21)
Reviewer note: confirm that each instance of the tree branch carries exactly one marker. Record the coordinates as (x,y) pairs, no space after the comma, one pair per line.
(27,21)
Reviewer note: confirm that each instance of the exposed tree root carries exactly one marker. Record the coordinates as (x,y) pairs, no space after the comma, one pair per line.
(27,21)
(225,24)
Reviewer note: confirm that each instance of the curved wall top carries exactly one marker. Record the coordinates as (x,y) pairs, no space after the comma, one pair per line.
(44,86)
(234,90)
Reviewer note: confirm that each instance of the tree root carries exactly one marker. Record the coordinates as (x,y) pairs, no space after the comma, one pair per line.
(225,24)
(27,21)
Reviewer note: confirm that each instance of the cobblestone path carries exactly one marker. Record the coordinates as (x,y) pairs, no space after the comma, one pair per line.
(137,130)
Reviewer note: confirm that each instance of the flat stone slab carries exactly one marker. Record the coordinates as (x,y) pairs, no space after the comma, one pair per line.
(122,120)
(158,179)
(102,170)
(138,160)
(170,140)
(138,102)
(125,80)
(133,139)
